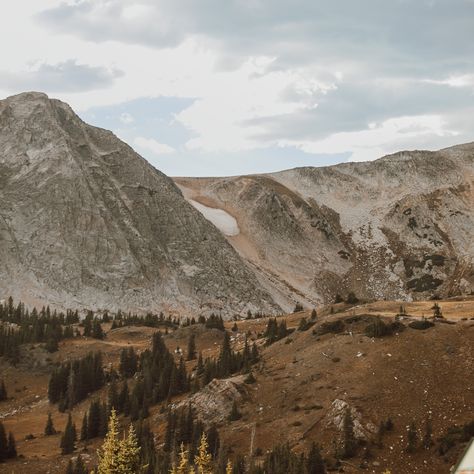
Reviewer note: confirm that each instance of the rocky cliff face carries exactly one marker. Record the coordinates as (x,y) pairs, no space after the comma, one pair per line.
(401,227)
(85,221)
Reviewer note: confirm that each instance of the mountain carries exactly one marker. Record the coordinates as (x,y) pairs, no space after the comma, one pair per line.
(400,227)
(86,222)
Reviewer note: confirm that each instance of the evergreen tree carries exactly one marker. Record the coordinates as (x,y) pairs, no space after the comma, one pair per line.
(68,439)
(52,345)
(349,445)
(213,441)
(314,315)
(124,399)
(437,313)
(97,332)
(203,460)
(225,357)
(84,428)
(3,392)
(129,454)
(70,467)
(428,436)
(3,443)
(183,466)
(113,397)
(11,446)
(79,466)
(109,453)
(94,419)
(412,438)
(314,462)
(49,428)
(191,353)
(235,413)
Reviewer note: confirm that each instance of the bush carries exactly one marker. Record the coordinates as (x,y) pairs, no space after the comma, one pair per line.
(298,308)
(250,379)
(333,327)
(304,324)
(379,328)
(352,298)
(421,324)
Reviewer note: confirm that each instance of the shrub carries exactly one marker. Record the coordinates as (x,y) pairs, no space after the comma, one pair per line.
(421,324)
(334,327)
(352,298)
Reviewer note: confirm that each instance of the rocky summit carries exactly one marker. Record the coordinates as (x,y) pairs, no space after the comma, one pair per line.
(86,222)
(400,227)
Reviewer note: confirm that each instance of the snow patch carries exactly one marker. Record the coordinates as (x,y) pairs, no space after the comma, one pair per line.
(220,218)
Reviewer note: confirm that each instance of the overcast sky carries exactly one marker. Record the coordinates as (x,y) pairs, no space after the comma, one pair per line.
(218,87)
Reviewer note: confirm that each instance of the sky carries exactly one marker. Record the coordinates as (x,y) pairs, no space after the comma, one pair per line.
(225,87)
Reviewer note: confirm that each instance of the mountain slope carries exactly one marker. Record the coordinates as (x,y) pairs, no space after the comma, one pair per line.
(85,221)
(400,227)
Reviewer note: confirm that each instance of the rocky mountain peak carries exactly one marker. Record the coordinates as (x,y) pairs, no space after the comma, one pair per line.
(85,221)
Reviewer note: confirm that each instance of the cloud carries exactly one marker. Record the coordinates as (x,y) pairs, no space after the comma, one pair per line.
(323,77)
(155,147)
(67,76)
(389,37)
(378,139)
(126,118)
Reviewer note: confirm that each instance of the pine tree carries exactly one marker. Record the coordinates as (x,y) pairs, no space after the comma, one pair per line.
(113,397)
(3,392)
(68,439)
(129,455)
(94,419)
(3,443)
(79,466)
(225,357)
(70,467)
(314,462)
(124,399)
(349,446)
(11,446)
(203,460)
(97,331)
(200,365)
(412,438)
(109,453)
(84,428)
(437,313)
(213,441)
(49,428)
(235,413)
(183,466)
(191,353)
(52,345)
(428,436)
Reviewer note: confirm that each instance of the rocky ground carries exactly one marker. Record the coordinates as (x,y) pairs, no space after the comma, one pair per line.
(303,384)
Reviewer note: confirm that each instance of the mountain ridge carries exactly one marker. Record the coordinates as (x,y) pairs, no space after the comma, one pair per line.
(398,227)
(85,221)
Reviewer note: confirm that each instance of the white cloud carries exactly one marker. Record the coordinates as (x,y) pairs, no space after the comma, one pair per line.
(291,79)
(126,118)
(465,80)
(378,139)
(153,146)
